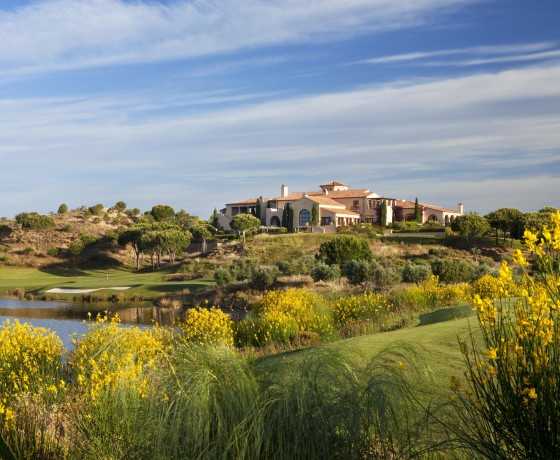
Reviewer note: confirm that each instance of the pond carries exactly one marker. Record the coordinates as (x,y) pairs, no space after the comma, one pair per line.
(68,318)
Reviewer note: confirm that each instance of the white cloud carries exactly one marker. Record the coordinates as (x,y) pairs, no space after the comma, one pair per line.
(505,53)
(466,130)
(66,34)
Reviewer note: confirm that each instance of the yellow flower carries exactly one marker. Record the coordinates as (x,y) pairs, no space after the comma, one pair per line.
(532,393)
(491,353)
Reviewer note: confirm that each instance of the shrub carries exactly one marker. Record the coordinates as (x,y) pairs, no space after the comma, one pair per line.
(300,266)
(222,276)
(263,278)
(110,355)
(62,209)
(29,251)
(30,360)
(372,308)
(384,276)
(342,249)
(357,271)
(96,210)
(53,252)
(510,406)
(242,268)
(416,273)
(205,326)
(324,272)
(279,316)
(453,270)
(428,296)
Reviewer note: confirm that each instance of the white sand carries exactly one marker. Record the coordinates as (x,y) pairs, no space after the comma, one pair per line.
(83,291)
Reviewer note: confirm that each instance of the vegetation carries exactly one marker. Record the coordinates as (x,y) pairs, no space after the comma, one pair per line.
(343,249)
(469,225)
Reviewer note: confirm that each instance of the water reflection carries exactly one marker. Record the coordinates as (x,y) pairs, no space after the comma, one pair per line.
(68,318)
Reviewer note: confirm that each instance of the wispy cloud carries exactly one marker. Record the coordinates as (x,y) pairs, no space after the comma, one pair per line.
(67,34)
(488,54)
(465,128)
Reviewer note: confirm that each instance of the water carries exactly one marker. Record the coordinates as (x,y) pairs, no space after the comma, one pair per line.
(68,318)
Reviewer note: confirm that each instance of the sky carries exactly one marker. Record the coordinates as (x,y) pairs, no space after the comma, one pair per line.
(197,103)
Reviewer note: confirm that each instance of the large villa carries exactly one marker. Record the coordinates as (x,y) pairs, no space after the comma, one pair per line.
(336,204)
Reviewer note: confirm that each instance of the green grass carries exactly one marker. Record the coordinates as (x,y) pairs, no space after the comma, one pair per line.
(435,345)
(271,249)
(145,284)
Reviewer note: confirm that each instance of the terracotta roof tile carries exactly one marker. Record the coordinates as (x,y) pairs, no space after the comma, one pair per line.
(343,212)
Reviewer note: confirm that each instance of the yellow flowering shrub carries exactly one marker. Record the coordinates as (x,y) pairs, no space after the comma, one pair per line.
(429,295)
(514,382)
(110,354)
(207,326)
(279,316)
(30,360)
(30,368)
(367,307)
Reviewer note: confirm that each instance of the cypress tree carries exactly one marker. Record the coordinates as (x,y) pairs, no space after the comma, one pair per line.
(417,216)
(315,214)
(384,214)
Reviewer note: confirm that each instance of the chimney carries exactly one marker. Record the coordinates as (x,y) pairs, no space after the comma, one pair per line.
(460,208)
(284,191)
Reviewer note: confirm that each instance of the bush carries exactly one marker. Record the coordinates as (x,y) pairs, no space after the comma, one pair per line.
(343,249)
(324,272)
(453,270)
(510,406)
(53,252)
(416,273)
(205,326)
(264,278)
(222,276)
(279,316)
(242,268)
(300,266)
(357,272)
(29,251)
(62,209)
(96,210)
(372,308)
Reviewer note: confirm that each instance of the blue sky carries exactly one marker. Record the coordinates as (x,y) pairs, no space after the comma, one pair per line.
(201,102)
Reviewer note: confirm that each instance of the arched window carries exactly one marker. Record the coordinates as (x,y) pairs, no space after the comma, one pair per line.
(275,221)
(304,218)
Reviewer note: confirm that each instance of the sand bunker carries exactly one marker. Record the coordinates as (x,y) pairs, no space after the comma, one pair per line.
(84,291)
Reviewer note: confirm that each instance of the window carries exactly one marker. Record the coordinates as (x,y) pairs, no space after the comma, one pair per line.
(355,205)
(304,218)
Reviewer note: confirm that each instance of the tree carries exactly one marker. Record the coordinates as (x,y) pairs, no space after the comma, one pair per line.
(417,214)
(259,211)
(35,221)
(132,236)
(162,213)
(384,214)
(62,209)
(469,225)
(214,219)
(288,217)
(342,249)
(243,223)
(202,233)
(315,214)
(504,220)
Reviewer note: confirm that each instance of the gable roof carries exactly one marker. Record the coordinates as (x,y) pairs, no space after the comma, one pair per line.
(325,200)
(334,184)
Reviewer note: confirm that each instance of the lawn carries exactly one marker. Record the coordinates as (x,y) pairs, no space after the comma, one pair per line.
(435,347)
(145,284)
